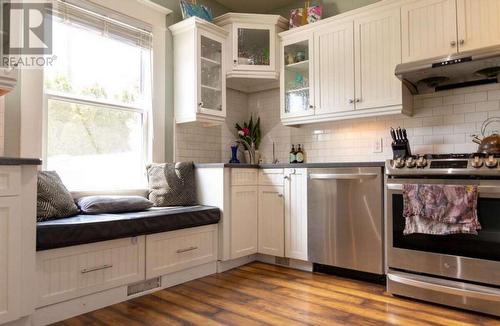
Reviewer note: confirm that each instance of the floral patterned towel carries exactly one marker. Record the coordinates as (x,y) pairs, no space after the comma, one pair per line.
(440,210)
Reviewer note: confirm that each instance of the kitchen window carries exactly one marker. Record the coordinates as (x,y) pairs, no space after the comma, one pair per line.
(97,98)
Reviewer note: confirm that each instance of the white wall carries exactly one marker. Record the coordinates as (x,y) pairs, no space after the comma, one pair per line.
(442,123)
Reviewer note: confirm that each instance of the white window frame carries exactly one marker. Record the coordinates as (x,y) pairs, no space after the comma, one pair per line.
(33,119)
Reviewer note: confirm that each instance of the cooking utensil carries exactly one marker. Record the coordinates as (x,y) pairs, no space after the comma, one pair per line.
(488,144)
(405,135)
(393,135)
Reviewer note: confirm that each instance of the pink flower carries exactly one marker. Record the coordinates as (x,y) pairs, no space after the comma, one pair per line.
(241,133)
(246,131)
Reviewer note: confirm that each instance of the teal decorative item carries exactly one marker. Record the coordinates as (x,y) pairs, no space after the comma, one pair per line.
(299,80)
(190,9)
(234,154)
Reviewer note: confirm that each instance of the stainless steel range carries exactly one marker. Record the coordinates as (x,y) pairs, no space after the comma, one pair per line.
(459,270)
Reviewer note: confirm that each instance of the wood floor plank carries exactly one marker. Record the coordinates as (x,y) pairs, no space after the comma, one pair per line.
(260,294)
(379,296)
(285,306)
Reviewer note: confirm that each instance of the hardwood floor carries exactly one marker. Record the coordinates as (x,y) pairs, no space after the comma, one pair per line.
(261,294)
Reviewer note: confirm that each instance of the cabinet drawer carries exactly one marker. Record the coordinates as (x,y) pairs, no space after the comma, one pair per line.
(244,177)
(170,252)
(271,177)
(75,271)
(10,180)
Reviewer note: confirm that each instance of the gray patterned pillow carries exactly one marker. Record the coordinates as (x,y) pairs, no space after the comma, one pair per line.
(53,199)
(113,204)
(172,184)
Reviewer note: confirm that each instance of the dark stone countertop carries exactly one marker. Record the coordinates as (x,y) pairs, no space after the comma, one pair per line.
(19,161)
(288,165)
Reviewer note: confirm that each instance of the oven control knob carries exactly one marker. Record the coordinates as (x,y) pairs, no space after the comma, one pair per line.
(399,163)
(491,162)
(477,162)
(410,163)
(421,162)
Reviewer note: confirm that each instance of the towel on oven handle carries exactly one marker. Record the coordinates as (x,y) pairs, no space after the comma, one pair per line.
(440,209)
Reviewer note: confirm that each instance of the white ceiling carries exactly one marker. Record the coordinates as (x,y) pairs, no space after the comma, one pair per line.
(254,6)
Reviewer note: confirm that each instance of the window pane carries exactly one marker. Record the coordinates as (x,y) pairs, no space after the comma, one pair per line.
(88,60)
(95,147)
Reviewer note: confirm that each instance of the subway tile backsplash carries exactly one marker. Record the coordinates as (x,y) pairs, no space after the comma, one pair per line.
(442,123)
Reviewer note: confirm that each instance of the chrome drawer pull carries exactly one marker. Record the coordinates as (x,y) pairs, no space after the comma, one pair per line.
(180,251)
(94,269)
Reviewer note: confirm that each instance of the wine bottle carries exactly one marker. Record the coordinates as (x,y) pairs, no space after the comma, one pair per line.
(293,155)
(300,155)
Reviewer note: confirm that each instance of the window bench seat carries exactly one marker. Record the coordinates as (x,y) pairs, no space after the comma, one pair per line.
(83,229)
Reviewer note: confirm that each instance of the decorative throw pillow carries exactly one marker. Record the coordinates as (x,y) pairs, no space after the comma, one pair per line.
(53,199)
(113,204)
(172,184)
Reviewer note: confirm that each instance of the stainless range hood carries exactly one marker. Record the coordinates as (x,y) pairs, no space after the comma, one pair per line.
(457,70)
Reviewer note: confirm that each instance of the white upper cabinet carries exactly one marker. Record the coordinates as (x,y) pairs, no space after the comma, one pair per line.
(199,71)
(252,48)
(377,52)
(334,70)
(297,82)
(478,23)
(429,29)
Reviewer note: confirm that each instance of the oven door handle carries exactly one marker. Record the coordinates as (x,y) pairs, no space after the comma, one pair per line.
(470,293)
(480,189)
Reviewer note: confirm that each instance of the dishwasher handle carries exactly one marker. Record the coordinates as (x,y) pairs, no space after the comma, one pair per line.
(343,176)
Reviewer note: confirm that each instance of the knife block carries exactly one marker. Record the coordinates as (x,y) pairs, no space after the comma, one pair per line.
(401,149)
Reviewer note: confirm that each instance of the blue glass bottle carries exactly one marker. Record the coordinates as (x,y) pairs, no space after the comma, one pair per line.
(234,154)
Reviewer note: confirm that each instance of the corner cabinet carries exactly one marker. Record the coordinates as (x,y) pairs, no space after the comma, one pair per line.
(199,71)
(351,62)
(252,47)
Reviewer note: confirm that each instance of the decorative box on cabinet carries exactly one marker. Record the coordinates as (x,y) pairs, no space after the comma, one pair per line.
(252,60)
(199,71)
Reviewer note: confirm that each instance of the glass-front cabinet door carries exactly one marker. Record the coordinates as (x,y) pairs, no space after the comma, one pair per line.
(253,47)
(212,86)
(297,94)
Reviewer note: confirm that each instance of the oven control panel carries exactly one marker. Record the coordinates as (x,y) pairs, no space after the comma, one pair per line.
(463,164)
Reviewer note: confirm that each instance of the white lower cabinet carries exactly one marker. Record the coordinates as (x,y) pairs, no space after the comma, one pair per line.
(10,258)
(72,272)
(244,203)
(271,221)
(173,251)
(296,213)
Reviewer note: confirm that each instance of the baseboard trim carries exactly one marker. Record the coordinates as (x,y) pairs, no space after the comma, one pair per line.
(292,263)
(223,266)
(71,308)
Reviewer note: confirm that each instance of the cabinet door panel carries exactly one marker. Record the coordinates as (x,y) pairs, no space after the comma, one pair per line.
(377,52)
(296,214)
(335,68)
(428,29)
(244,201)
(10,258)
(478,23)
(212,82)
(271,221)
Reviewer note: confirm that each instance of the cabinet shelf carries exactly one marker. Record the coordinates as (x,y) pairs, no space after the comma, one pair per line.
(215,89)
(298,66)
(210,62)
(298,90)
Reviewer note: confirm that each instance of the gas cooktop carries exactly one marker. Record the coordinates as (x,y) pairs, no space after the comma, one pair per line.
(475,164)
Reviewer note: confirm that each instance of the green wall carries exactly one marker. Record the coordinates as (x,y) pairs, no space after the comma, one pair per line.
(330,7)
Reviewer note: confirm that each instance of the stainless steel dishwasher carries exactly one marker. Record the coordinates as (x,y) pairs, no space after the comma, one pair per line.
(345,218)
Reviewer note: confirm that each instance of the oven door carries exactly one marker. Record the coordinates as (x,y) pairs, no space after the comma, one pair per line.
(475,258)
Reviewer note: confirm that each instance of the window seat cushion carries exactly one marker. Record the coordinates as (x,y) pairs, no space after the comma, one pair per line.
(81,229)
